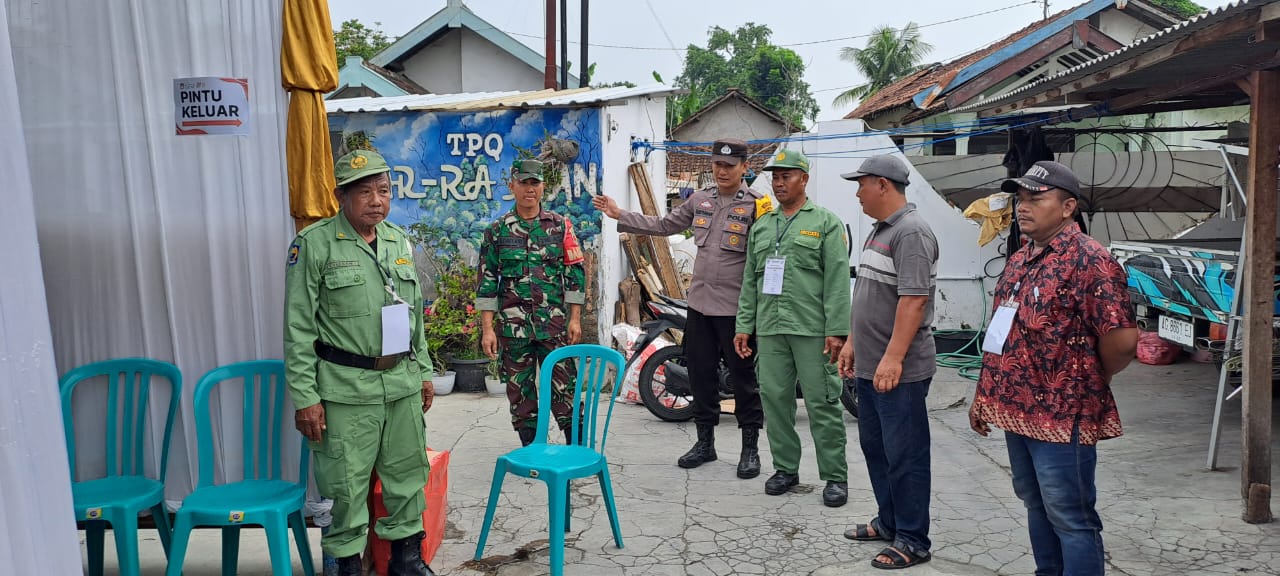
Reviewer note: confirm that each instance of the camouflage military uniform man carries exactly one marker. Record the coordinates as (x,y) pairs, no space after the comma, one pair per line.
(530,271)
(359,397)
(720,216)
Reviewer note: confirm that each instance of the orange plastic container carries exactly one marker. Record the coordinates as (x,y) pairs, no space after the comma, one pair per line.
(433,519)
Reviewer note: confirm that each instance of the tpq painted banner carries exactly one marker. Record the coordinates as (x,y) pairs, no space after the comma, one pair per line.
(450,169)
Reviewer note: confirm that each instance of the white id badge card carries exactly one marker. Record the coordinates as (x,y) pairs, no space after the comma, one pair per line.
(998,329)
(774,267)
(395,329)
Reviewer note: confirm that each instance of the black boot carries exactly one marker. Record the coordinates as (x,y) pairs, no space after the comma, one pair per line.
(406,557)
(780,483)
(703,451)
(749,462)
(526,435)
(568,428)
(350,566)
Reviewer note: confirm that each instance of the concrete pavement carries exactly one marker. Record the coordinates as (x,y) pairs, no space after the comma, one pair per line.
(1163,512)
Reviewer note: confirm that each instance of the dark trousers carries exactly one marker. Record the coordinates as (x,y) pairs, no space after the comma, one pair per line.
(707,340)
(1056,483)
(893,429)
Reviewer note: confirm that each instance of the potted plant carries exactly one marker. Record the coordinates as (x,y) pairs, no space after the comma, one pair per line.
(492,381)
(453,326)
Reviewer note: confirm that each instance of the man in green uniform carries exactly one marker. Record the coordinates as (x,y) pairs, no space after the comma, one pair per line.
(530,271)
(357,366)
(795,299)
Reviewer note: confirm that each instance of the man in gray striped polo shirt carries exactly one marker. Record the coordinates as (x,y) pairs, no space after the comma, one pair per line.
(890,353)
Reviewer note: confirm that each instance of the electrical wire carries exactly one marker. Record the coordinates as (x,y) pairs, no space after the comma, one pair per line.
(673,48)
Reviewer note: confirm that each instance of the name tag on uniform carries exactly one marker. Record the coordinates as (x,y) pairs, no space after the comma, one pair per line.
(998,329)
(395,329)
(774,268)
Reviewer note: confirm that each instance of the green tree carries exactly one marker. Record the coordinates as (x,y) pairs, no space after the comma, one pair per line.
(888,56)
(744,59)
(1183,8)
(356,39)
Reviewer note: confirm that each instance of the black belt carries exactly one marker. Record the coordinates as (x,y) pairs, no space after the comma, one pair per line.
(344,358)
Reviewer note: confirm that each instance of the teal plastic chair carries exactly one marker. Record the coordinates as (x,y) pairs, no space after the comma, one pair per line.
(558,464)
(263,498)
(126,490)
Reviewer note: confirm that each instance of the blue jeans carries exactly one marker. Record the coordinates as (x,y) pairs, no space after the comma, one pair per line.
(1056,483)
(893,429)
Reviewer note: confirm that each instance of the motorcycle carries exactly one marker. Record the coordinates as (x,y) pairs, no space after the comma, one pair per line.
(664,377)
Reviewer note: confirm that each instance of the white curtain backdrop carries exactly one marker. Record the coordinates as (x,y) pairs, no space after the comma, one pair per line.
(36,518)
(157,245)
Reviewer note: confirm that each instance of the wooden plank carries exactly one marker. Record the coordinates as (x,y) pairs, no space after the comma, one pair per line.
(1156,94)
(640,178)
(663,261)
(1260,232)
(640,265)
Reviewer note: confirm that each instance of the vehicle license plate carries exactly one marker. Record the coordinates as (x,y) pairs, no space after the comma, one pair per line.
(1175,330)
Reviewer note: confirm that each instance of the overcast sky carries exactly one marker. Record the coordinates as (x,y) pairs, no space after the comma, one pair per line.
(630,40)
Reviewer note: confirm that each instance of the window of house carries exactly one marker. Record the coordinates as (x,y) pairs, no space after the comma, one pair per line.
(944,145)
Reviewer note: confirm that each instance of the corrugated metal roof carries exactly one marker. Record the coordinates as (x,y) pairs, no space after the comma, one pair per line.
(1124,54)
(492,100)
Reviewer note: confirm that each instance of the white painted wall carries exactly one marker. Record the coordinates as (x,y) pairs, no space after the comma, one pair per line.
(436,66)
(962,286)
(731,119)
(641,118)
(1122,27)
(463,61)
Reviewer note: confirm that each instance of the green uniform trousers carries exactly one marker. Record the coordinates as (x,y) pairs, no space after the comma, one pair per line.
(358,439)
(781,359)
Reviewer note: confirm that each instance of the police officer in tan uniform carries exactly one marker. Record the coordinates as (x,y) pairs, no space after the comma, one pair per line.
(720,216)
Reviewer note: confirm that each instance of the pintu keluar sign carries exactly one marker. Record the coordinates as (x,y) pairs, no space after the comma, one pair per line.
(211,105)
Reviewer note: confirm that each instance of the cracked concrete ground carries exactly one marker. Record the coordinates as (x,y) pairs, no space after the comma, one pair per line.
(1163,512)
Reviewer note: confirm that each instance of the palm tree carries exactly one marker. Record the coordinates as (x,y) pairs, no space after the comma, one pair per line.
(889,55)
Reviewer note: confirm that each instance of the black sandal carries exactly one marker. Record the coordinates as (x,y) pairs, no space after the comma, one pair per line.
(900,559)
(862,532)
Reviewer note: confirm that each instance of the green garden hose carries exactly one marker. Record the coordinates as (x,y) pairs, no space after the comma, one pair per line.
(969,365)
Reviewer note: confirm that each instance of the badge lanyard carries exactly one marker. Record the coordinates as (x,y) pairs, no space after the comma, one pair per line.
(777,243)
(388,284)
(1001,324)
(775,266)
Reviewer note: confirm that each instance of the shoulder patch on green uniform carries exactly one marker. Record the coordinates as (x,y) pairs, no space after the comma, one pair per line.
(294,250)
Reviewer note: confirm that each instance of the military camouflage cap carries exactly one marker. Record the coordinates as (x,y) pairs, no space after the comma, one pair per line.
(357,164)
(788,159)
(526,169)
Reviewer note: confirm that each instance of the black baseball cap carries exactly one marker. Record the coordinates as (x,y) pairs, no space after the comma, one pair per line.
(1044,176)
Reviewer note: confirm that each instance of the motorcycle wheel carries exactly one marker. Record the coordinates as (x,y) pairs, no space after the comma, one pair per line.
(849,397)
(654,392)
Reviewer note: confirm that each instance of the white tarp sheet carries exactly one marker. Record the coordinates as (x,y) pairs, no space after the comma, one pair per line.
(157,245)
(37,526)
